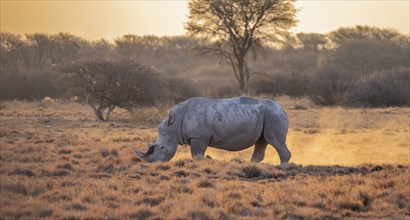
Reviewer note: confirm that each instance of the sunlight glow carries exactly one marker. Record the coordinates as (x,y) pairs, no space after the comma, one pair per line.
(111,19)
(325,16)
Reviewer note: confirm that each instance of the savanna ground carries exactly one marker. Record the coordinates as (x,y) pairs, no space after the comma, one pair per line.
(57,161)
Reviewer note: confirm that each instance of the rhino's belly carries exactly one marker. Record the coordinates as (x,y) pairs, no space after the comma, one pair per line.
(236,138)
(234,146)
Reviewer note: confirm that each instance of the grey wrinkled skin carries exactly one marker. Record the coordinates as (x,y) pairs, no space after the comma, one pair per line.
(230,124)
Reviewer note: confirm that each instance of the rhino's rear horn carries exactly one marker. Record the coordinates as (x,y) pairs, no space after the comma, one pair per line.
(150,149)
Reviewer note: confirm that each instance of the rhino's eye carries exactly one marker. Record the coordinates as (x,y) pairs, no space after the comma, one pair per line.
(162,147)
(170,120)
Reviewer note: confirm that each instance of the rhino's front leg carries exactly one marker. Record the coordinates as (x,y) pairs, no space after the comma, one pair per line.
(198,148)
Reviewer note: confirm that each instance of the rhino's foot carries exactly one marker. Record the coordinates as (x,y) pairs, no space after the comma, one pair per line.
(257,159)
(288,166)
(198,157)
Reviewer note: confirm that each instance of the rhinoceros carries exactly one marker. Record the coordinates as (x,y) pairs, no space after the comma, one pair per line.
(230,124)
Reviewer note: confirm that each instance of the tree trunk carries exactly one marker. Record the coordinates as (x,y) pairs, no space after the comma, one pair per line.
(243,84)
(97,111)
(110,109)
(99,114)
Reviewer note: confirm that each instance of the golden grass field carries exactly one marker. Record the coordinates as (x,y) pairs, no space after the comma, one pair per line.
(58,162)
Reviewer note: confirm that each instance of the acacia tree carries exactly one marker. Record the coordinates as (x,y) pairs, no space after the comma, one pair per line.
(232,28)
(106,85)
(345,35)
(312,41)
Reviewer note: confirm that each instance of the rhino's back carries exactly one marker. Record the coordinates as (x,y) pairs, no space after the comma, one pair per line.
(230,124)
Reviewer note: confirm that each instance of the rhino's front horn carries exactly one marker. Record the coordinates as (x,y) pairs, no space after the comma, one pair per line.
(139,153)
(144,156)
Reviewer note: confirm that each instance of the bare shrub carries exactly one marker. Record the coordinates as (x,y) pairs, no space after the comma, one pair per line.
(178,89)
(224,91)
(382,89)
(149,116)
(329,86)
(292,84)
(106,85)
(30,84)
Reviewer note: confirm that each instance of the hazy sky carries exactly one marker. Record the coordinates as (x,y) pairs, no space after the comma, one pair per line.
(111,19)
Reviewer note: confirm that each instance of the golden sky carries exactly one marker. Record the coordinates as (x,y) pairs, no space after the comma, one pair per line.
(111,19)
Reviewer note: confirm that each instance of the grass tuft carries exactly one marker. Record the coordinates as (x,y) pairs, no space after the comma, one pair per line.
(22,172)
(65,166)
(76,207)
(205,184)
(354,206)
(16,188)
(198,215)
(141,214)
(44,213)
(251,172)
(180,173)
(151,201)
(64,151)
(365,198)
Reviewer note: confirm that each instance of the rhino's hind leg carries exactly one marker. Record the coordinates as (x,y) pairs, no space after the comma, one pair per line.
(259,151)
(282,149)
(284,153)
(275,132)
(198,148)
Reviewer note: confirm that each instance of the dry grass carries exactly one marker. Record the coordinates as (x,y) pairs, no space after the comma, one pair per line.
(56,161)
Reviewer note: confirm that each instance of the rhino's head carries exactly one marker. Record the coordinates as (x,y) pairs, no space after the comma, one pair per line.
(166,145)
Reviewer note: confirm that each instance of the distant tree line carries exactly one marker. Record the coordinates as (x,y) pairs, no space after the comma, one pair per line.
(354,66)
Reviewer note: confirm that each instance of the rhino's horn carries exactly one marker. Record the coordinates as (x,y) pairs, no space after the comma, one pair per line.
(145,155)
(139,153)
(150,149)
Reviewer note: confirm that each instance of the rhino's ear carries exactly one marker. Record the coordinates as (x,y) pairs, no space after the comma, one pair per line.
(171,119)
